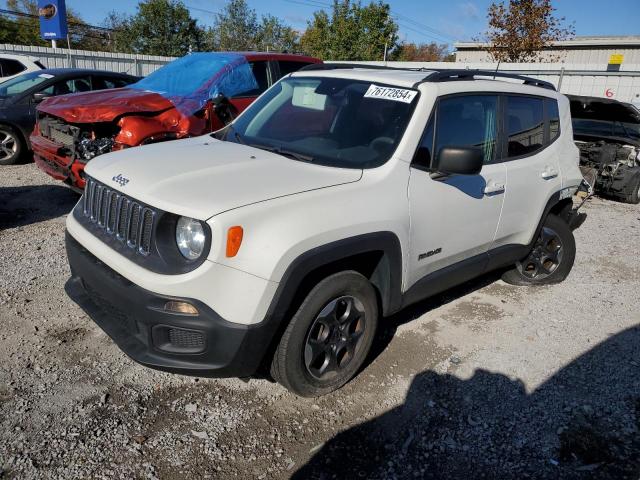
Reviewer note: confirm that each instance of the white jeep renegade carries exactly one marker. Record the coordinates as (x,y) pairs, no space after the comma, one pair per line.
(343,194)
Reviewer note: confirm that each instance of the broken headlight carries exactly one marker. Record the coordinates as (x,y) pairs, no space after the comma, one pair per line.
(89,148)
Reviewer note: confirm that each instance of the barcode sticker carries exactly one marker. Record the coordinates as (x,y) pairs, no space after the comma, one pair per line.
(388,93)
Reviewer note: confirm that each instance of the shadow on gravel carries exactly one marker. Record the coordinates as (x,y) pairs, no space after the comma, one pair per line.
(584,422)
(20,206)
(389,325)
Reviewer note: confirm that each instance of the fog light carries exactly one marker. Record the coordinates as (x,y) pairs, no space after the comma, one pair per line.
(180,307)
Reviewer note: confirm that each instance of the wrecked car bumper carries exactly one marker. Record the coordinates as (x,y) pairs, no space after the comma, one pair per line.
(48,158)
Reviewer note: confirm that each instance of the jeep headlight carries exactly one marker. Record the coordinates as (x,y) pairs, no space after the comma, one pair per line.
(190,238)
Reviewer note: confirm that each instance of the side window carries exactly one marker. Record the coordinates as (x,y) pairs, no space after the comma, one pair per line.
(525,125)
(467,121)
(554,119)
(102,83)
(619,130)
(259,70)
(287,67)
(74,85)
(10,67)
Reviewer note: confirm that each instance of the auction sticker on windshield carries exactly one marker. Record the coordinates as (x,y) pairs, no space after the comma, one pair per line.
(388,93)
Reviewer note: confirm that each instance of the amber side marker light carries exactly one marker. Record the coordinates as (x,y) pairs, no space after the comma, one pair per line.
(180,307)
(234,240)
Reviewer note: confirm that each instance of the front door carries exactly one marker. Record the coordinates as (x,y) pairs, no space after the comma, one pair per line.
(455,217)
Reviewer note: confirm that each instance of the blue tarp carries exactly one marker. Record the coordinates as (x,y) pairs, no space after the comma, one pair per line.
(190,81)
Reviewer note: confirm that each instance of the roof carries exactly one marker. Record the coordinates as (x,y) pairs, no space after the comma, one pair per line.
(412,78)
(277,56)
(13,56)
(75,71)
(627,41)
(399,77)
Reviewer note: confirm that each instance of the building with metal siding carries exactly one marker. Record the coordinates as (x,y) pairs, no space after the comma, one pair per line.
(580,50)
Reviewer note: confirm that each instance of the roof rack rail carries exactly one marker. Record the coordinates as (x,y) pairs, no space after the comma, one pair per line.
(465,74)
(436,75)
(344,66)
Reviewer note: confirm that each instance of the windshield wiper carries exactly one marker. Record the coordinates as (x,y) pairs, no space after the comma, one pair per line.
(285,153)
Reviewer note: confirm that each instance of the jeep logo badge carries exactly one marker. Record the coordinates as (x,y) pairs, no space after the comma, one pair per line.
(120,180)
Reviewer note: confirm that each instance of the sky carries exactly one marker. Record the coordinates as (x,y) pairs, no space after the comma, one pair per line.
(420,20)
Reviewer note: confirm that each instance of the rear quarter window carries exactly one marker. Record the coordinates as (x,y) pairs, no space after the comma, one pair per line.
(553,113)
(525,125)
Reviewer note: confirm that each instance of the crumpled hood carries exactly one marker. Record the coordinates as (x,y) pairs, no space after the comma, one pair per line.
(201,177)
(103,105)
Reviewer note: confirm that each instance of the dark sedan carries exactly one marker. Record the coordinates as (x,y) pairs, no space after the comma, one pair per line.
(19,97)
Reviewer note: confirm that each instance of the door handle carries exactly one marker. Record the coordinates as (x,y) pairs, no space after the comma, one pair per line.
(549,173)
(494,188)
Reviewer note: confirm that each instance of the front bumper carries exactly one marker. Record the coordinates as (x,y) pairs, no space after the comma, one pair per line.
(48,158)
(203,345)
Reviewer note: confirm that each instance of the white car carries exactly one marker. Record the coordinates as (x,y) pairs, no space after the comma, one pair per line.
(14,65)
(343,194)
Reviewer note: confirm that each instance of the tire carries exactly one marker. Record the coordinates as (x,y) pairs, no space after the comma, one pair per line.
(634,190)
(10,145)
(550,259)
(318,353)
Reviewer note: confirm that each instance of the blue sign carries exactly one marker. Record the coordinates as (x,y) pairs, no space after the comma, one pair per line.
(53,19)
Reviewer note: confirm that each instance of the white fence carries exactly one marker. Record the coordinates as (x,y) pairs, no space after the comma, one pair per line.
(576,79)
(140,65)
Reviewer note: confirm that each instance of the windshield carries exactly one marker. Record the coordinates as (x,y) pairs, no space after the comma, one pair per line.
(603,128)
(330,121)
(193,79)
(22,83)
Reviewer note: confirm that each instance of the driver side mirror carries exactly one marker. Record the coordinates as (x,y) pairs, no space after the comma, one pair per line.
(40,96)
(459,160)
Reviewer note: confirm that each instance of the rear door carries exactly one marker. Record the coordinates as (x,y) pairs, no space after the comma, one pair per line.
(531,156)
(455,217)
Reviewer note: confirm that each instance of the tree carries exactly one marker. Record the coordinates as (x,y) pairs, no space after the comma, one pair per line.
(351,32)
(520,31)
(274,35)
(234,28)
(159,27)
(424,52)
(237,27)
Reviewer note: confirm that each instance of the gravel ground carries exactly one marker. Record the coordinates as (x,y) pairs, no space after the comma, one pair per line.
(484,381)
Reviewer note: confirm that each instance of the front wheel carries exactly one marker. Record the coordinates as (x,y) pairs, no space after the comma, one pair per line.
(550,259)
(329,337)
(10,145)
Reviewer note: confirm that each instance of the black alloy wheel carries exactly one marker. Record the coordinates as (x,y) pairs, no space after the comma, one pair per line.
(334,337)
(545,257)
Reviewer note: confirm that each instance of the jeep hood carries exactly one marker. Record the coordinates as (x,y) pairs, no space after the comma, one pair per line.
(202,177)
(104,105)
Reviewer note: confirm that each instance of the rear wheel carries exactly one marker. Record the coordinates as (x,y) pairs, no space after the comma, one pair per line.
(550,259)
(329,337)
(634,190)
(10,145)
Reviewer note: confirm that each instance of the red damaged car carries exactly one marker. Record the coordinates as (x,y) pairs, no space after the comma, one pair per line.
(191,96)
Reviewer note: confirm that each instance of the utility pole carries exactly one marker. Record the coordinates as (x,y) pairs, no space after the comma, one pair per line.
(54,44)
(386,46)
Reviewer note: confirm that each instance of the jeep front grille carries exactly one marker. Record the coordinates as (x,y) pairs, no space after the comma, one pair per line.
(119,215)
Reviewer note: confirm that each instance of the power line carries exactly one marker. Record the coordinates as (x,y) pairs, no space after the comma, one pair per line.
(401,19)
(69,22)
